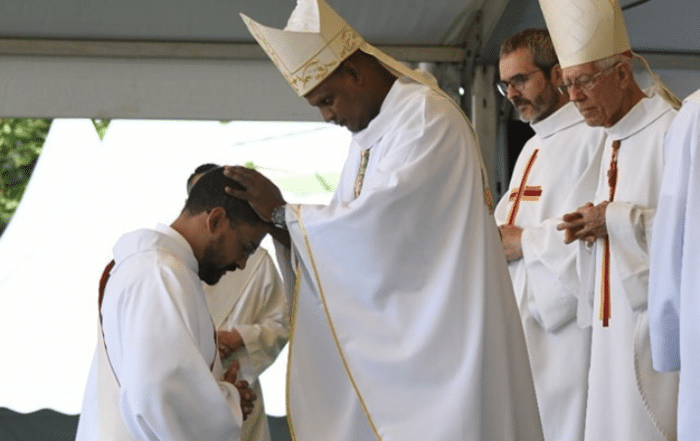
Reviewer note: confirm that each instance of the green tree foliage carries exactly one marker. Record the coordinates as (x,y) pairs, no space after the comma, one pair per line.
(101,127)
(324,183)
(21,141)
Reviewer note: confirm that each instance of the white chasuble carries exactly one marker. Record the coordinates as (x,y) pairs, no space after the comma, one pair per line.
(404,325)
(252,301)
(556,172)
(160,342)
(627,400)
(674,284)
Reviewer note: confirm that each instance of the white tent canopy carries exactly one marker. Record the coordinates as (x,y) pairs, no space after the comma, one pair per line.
(195,60)
(192,60)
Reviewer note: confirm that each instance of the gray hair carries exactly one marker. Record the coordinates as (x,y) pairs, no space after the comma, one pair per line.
(607,63)
(539,45)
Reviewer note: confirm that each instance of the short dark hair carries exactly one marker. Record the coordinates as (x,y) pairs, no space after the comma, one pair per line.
(539,45)
(210,192)
(198,171)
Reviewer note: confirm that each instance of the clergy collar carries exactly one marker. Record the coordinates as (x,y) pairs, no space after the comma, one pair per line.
(177,237)
(645,112)
(163,237)
(379,125)
(563,118)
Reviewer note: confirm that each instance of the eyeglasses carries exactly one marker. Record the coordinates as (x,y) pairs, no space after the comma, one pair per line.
(517,81)
(584,82)
(248,246)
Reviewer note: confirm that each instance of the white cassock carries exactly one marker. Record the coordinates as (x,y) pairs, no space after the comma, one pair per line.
(674,285)
(556,172)
(627,399)
(160,344)
(252,301)
(404,322)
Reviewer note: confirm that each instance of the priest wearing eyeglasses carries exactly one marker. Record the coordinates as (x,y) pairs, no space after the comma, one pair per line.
(627,399)
(157,374)
(555,173)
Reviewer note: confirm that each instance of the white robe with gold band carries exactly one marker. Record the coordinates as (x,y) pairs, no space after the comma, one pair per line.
(252,302)
(627,400)
(556,172)
(404,324)
(674,282)
(160,345)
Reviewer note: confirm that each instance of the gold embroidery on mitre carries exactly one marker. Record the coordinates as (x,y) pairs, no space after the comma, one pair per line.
(315,70)
(350,41)
(325,61)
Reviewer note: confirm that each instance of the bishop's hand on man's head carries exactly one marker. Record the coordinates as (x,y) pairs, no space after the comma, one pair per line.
(261,193)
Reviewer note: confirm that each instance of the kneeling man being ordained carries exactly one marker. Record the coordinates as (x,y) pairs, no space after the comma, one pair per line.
(156,374)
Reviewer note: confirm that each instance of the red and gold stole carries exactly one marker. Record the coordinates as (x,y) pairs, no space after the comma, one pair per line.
(523,192)
(605,312)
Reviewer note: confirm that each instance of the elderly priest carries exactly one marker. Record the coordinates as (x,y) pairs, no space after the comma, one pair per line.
(627,400)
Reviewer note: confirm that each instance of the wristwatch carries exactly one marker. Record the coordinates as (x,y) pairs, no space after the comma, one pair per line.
(277,217)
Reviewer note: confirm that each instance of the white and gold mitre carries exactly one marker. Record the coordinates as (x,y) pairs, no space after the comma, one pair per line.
(585,30)
(312,45)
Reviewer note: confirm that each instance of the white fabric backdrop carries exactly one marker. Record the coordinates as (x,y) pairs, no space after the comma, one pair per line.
(83,194)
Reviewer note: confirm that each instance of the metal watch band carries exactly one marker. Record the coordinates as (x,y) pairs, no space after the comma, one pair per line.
(277,217)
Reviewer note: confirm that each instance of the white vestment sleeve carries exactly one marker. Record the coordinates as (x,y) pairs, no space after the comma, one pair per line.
(586,269)
(283,254)
(668,239)
(162,355)
(628,226)
(233,399)
(679,307)
(551,265)
(266,333)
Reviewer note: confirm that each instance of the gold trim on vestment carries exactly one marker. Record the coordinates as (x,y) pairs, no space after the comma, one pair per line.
(297,212)
(515,206)
(292,320)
